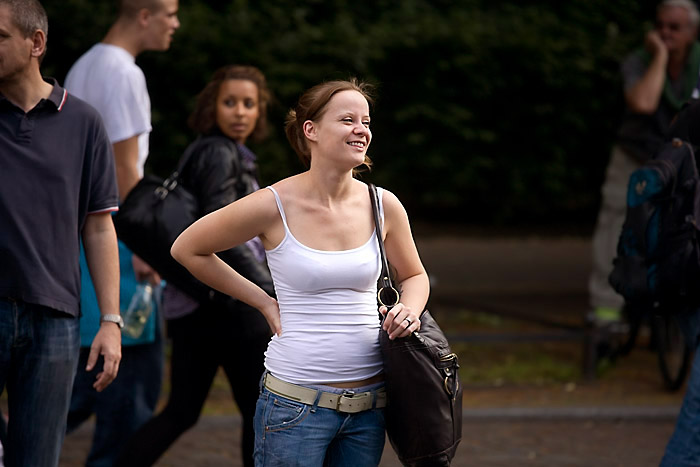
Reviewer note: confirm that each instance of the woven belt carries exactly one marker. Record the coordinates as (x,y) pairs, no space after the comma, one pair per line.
(347,402)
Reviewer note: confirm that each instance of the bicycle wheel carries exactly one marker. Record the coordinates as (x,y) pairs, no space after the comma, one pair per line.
(673,350)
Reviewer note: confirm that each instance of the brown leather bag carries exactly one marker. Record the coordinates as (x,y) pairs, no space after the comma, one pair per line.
(424,395)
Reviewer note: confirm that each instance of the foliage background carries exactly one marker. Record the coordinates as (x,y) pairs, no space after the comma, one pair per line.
(487,113)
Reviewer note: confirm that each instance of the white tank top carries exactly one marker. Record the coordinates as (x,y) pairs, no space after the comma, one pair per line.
(328,309)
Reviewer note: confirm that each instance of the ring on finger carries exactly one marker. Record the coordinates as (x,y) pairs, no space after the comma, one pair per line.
(408,320)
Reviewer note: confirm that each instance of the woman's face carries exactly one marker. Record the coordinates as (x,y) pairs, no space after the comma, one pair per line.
(237,108)
(342,133)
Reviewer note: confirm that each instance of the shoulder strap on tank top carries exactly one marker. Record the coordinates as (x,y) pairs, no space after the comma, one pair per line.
(279,207)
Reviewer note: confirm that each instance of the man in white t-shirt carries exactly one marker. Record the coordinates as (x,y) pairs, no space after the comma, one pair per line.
(107,77)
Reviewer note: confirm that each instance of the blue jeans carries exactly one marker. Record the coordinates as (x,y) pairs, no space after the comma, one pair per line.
(683,449)
(38,358)
(289,433)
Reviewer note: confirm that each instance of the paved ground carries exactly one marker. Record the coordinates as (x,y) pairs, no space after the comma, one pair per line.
(488,442)
(610,422)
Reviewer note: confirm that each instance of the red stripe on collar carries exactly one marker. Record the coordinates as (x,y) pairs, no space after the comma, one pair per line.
(63,100)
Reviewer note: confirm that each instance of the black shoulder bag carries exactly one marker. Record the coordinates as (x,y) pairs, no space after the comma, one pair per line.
(424,396)
(153,215)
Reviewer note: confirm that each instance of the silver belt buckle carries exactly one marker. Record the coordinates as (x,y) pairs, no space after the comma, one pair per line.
(345,394)
(355,402)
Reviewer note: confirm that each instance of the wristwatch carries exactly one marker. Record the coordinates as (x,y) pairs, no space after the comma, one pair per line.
(117,319)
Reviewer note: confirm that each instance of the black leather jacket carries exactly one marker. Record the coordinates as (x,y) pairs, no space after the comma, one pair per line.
(217,176)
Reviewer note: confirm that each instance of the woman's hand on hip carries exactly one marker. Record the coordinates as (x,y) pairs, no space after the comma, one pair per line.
(271,312)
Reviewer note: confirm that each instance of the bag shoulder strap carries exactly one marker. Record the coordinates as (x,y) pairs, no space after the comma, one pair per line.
(385,278)
(196,145)
(184,160)
(174,179)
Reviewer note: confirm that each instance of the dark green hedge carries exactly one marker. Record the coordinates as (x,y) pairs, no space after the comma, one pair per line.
(488,112)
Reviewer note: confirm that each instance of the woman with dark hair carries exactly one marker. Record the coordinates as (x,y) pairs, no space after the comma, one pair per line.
(322,395)
(222,332)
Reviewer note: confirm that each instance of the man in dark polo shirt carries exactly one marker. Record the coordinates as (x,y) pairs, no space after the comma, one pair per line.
(57,181)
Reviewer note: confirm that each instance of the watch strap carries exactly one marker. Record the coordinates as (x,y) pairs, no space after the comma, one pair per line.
(112,318)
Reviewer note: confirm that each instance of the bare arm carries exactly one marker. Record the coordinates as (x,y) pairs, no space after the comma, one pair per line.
(100,242)
(643,97)
(411,278)
(221,230)
(126,158)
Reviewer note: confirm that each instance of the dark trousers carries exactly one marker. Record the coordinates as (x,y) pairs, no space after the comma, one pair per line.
(124,405)
(201,342)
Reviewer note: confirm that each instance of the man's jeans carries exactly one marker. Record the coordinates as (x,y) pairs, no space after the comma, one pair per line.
(38,359)
(289,433)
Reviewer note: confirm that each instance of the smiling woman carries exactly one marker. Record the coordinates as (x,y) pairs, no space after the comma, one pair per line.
(316,102)
(342,131)
(323,393)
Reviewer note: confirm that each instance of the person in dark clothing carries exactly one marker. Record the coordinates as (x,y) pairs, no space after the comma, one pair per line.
(57,183)
(683,448)
(222,332)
